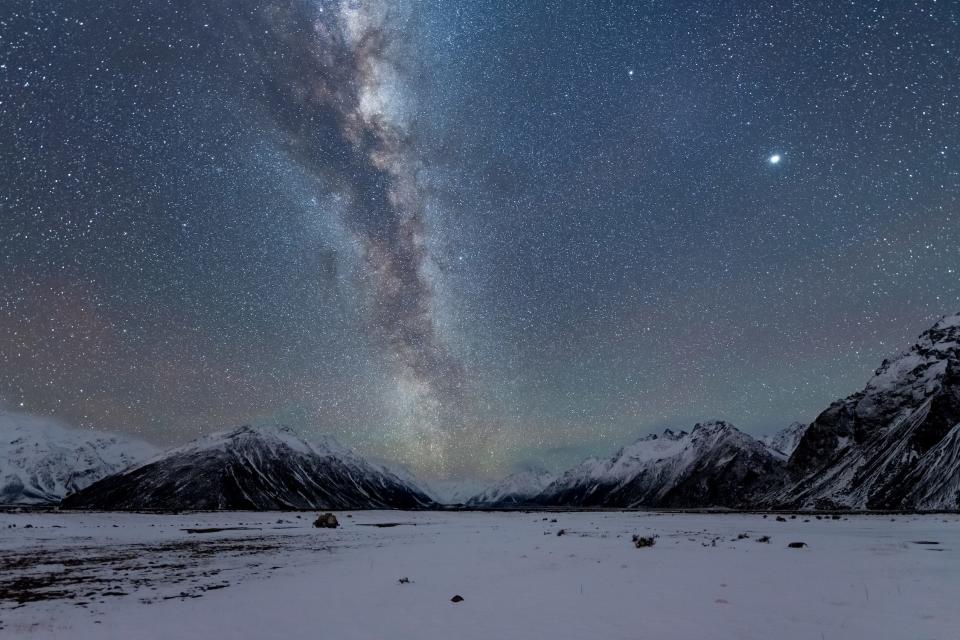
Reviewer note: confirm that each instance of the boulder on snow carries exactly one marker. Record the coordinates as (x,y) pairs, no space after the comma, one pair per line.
(326,521)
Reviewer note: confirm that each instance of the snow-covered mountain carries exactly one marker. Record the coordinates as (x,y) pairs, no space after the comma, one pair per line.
(713,465)
(516,489)
(42,459)
(785,441)
(254,468)
(455,491)
(894,444)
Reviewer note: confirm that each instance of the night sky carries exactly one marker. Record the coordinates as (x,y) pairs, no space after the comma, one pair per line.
(468,236)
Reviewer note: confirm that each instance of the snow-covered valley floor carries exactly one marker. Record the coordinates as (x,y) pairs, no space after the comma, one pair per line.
(85,575)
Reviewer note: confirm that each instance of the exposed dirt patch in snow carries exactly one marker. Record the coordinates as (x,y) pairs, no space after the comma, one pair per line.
(87,574)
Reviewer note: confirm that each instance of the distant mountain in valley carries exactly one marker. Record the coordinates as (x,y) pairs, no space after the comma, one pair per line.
(785,441)
(516,489)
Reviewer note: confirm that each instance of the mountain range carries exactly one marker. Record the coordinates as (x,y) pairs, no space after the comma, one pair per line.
(893,445)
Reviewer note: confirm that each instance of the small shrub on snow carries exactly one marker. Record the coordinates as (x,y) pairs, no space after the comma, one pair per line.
(644,541)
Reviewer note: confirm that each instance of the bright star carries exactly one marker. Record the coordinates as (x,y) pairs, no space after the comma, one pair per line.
(775,158)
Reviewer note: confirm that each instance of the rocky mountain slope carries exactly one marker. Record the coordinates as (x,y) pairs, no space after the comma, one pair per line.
(42,460)
(893,445)
(713,465)
(516,489)
(259,469)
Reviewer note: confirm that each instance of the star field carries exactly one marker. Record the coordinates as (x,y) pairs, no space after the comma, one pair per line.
(468,236)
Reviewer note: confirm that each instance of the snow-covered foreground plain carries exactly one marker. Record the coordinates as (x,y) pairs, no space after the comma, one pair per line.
(84,575)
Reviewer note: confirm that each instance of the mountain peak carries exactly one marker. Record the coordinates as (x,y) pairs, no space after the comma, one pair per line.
(713,465)
(713,426)
(949,322)
(253,468)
